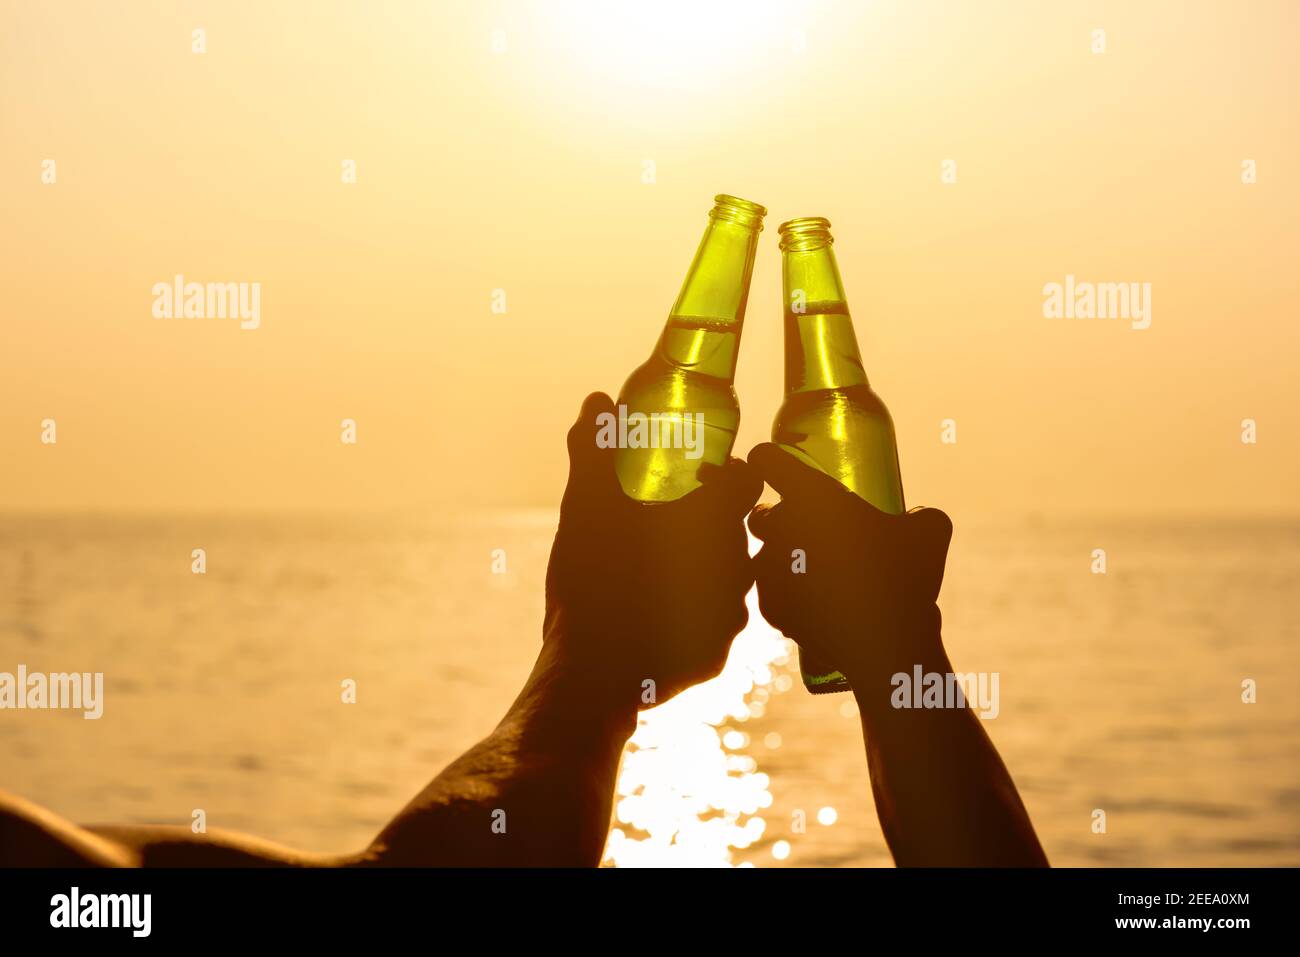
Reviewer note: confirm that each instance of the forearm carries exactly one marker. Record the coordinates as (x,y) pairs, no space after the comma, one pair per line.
(537,791)
(943,795)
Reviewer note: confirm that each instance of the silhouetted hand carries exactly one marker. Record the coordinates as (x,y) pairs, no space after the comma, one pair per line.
(866,597)
(639,592)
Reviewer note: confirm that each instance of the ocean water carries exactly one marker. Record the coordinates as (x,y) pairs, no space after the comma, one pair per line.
(1120,692)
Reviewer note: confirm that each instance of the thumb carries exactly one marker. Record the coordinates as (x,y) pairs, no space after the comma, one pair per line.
(733,487)
(929,533)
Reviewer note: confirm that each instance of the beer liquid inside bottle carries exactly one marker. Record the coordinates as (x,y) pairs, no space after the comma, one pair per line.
(830,418)
(694,364)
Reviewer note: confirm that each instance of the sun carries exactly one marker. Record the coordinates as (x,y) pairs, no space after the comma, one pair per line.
(671,44)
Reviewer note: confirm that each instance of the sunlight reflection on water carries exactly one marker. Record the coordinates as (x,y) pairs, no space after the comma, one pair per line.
(687,792)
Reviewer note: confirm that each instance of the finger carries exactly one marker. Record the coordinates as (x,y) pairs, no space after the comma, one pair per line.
(582,437)
(791,477)
(929,532)
(768,522)
(758,518)
(735,486)
(591,454)
(772,574)
(764,564)
(931,526)
(737,583)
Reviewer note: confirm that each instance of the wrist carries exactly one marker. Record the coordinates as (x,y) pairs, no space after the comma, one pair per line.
(893,657)
(567,694)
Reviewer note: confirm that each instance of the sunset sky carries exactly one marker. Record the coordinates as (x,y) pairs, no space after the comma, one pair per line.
(504,146)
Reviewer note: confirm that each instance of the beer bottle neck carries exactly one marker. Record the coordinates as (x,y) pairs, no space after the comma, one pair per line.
(703,331)
(821,351)
(717,285)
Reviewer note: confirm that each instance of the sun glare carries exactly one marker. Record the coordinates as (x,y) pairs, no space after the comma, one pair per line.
(672,44)
(687,795)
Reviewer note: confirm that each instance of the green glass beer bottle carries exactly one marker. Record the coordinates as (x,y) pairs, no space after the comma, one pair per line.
(679,409)
(830,418)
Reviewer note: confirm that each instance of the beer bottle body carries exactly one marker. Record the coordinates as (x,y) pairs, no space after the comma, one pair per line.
(830,419)
(680,405)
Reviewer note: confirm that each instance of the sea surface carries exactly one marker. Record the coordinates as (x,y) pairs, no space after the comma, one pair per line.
(1119,692)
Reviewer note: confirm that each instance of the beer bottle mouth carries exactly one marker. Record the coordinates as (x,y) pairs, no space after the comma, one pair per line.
(733,209)
(807,232)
